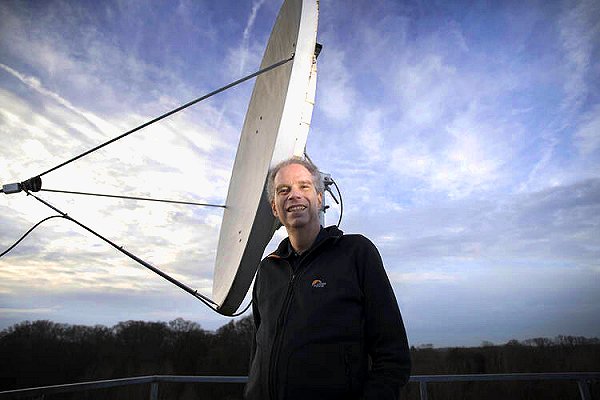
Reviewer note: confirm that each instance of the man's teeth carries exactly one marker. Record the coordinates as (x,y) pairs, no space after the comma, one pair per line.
(296,208)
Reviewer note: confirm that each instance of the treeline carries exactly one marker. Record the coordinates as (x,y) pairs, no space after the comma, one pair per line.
(44,353)
(561,354)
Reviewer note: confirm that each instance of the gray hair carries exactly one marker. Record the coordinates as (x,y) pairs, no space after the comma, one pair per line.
(312,168)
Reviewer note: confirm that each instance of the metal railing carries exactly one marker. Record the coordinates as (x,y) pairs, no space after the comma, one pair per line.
(583,380)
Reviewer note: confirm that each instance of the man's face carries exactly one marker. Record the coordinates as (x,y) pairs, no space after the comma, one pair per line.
(296,201)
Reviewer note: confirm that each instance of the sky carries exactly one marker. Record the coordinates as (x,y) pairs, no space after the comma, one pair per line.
(465,138)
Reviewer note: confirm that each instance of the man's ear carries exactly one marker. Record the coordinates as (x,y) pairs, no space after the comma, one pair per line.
(320,199)
(274,209)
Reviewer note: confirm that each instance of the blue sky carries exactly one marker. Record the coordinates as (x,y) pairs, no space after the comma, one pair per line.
(465,137)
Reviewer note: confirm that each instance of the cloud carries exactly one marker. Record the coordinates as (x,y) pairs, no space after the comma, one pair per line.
(163,302)
(370,135)
(435,121)
(553,228)
(82,121)
(566,79)
(423,89)
(21,311)
(518,302)
(587,137)
(244,53)
(579,32)
(246,57)
(419,277)
(336,95)
(473,156)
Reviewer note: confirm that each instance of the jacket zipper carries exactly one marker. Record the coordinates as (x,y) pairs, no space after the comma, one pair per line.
(279,338)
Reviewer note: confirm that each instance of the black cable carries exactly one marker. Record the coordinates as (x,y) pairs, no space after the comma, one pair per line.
(28,232)
(206,96)
(341,202)
(134,198)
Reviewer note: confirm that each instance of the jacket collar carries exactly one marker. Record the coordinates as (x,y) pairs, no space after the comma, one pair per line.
(284,250)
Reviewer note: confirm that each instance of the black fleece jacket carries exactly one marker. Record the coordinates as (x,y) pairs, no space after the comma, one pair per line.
(330,328)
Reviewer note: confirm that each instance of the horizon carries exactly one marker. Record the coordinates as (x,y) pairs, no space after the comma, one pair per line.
(421,346)
(465,139)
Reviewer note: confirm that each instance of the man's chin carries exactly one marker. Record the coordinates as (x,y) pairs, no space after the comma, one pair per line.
(300,223)
(296,223)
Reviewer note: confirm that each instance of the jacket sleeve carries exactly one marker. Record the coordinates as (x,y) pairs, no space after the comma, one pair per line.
(386,340)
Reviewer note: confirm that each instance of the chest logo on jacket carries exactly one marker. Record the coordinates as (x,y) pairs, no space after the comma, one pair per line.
(317,283)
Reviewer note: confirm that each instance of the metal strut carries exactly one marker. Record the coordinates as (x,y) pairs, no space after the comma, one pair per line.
(189,203)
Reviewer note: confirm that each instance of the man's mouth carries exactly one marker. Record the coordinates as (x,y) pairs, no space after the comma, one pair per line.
(296,208)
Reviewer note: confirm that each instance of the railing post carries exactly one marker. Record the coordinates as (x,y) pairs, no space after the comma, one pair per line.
(154,391)
(584,389)
(423,390)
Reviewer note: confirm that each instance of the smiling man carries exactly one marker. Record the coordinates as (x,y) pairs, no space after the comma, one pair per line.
(327,322)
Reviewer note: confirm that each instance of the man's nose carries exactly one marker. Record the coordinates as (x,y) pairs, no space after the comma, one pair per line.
(295,192)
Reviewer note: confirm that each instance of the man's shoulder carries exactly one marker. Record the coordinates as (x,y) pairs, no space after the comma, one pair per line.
(356,239)
(361,248)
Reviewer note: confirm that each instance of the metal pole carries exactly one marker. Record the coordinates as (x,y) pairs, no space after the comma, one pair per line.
(423,390)
(154,391)
(584,389)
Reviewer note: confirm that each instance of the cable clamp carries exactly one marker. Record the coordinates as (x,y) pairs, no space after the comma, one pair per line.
(11,188)
(32,184)
(327,181)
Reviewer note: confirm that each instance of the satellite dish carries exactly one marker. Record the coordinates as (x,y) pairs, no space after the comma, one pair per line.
(275,128)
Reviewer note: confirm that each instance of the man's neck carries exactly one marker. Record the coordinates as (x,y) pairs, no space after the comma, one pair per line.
(302,239)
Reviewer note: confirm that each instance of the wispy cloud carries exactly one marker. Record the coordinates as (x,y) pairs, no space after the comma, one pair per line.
(410,278)
(588,133)
(335,84)
(244,53)
(245,56)
(96,124)
(579,31)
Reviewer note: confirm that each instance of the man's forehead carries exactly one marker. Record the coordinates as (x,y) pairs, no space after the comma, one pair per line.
(293,173)
(291,182)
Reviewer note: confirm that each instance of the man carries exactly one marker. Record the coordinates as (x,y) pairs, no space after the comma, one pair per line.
(327,321)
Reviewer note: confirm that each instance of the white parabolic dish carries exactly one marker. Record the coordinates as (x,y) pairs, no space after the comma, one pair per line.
(275,128)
